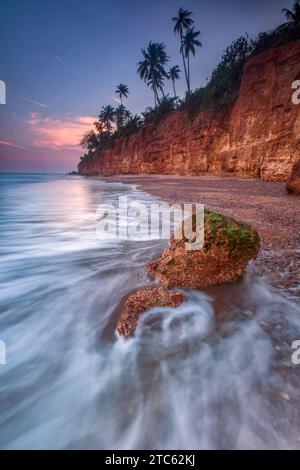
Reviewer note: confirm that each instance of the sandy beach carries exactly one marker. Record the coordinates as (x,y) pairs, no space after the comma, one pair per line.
(264,205)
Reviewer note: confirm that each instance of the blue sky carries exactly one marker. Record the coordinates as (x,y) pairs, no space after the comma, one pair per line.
(62,59)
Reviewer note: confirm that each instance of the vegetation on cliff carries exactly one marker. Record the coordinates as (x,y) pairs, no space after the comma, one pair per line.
(219,93)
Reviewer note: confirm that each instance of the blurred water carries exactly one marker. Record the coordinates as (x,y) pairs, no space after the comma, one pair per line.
(214,373)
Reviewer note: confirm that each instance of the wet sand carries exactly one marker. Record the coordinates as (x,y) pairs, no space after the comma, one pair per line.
(264,205)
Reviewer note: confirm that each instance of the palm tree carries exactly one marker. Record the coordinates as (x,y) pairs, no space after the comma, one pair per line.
(157,83)
(152,68)
(89,141)
(107,115)
(147,113)
(189,45)
(135,122)
(122,91)
(121,116)
(100,126)
(294,15)
(183,22)
(174,74)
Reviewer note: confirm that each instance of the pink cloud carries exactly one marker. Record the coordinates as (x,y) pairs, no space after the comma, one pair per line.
(58,133)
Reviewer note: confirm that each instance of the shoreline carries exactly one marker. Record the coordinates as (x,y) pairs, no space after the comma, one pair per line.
(264,205)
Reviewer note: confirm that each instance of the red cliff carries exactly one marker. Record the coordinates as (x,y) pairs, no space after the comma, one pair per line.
(259,136)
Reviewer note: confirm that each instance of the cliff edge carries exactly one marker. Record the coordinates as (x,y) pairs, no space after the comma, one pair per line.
(259,136)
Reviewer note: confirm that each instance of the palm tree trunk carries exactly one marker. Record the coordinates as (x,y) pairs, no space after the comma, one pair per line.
(183,59)
(156,98)
(157,95)
(189,77)
(173,82)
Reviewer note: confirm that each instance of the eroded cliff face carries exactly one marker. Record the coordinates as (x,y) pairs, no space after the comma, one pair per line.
(258,137)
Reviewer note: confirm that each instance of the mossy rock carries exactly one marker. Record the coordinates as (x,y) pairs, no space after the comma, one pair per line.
(228,246)
(239,235)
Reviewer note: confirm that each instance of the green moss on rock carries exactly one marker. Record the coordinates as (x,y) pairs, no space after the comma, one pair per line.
(228,247)
(238,234)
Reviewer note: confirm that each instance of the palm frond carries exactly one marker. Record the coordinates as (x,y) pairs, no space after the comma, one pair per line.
(183,21)
(190,42)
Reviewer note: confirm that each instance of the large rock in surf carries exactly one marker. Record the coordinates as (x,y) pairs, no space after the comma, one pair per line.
(293,184)
(228,247)
(142,301)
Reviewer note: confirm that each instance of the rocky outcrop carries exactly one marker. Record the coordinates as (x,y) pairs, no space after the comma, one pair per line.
(228,247)
(140,302)
(257,137)
(293,184)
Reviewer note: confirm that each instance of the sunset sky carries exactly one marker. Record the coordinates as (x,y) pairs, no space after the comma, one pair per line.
(62,59)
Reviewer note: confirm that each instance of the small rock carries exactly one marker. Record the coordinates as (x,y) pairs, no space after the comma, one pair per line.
(142,301)
(293,184)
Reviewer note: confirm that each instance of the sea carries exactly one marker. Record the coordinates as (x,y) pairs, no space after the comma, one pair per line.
(218,372)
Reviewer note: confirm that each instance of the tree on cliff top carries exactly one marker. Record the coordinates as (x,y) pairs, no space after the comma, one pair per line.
(183,22)
(121,116)
(223,86)
(89,141)
(189,44)
(293,16)
(152,68)
(174,74)
(133,124)
(107,116)
(122,91)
